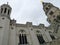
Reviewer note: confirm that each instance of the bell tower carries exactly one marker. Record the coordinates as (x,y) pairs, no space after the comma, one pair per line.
(5,11)
(47,7)
(52,12)
(53,15)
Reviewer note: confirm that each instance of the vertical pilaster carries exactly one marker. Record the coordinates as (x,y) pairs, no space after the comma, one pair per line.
(34,39)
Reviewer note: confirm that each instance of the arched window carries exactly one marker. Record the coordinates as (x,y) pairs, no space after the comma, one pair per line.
(37,31)
(1,10)
(40,38)
(47,8)
(51,13)
(52,36)
(22,31)
(5,10)
(22,38)
(8,12)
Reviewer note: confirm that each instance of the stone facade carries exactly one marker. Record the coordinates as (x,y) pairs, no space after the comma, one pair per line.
(12,33)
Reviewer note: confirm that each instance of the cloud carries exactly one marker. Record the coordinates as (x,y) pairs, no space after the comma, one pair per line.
(29,10)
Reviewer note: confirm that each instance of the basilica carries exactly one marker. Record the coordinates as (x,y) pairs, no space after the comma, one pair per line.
(12,33)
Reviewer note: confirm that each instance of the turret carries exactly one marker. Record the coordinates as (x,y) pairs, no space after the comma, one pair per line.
(52,12)
(53,15)
(47,7)
(5,10)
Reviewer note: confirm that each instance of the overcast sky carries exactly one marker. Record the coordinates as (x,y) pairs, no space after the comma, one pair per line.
(29,10)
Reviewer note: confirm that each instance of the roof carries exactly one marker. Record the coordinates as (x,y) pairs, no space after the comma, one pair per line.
(6,5)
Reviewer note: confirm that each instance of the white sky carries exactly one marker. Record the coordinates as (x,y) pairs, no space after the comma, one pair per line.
(29,10)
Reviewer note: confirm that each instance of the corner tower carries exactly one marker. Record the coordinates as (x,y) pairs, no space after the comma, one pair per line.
(53,16)
(5,11)
(52,12)
(47,7)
